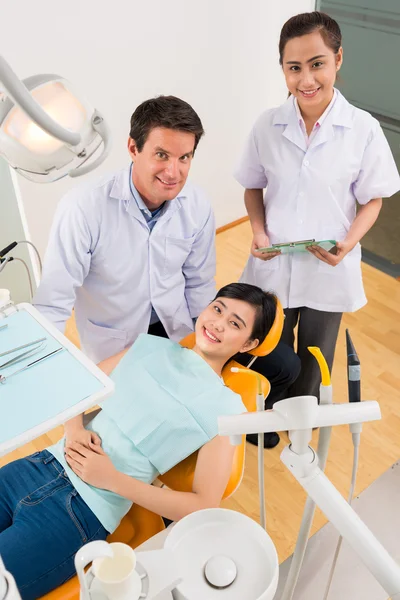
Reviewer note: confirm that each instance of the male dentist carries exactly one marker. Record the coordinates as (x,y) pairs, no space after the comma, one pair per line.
(134,252)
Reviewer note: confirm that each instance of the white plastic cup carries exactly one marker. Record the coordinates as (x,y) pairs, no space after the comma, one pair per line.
(116,575)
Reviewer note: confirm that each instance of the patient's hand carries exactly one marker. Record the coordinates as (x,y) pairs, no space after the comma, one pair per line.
(82,436)
(92,464)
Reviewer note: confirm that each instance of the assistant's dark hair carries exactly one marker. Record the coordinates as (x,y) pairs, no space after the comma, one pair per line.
(264,302)
(306,23)
(164,111)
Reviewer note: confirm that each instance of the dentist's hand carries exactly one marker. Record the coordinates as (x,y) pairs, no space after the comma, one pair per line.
(261,240)
(92,465)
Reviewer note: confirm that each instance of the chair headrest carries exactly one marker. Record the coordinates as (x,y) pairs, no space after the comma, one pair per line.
(274,334)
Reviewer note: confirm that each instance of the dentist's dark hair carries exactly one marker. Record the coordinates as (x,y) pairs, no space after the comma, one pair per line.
(169,112)
(306,23)
(264,302)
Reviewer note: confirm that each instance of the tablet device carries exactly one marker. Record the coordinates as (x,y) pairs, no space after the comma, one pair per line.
(300,246)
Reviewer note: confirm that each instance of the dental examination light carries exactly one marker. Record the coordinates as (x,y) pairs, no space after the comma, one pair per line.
(47,131)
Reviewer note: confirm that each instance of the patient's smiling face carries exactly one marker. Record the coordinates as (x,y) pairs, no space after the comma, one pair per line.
(225,328)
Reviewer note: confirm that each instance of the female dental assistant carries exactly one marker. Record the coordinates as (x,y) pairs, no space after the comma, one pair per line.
(318,157)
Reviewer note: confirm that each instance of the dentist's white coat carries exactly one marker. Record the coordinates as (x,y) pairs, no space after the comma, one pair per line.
(311,194)
(102,259)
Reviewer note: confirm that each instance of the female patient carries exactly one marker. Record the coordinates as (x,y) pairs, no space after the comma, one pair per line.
(165,406)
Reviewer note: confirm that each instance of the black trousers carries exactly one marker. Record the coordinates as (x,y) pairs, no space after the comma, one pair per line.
(281,367)
(315,328)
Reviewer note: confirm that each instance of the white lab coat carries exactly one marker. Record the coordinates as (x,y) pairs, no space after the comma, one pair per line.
(311,194)
(102,259)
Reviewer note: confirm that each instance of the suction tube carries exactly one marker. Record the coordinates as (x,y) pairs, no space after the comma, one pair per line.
(325,394)
(353,370)
(260,449)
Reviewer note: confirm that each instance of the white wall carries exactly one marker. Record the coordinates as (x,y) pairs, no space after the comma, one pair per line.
(219,55)
(13,277)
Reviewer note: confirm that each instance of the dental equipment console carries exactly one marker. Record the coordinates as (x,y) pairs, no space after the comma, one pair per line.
(299,416)
(220,553)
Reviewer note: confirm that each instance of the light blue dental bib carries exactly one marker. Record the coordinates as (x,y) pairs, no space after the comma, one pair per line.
(167,400)
(166,406)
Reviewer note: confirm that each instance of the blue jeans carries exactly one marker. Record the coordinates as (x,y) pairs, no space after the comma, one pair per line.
(43,523)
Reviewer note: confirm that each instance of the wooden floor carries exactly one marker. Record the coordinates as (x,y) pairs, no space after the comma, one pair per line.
(376,333)
(375,330)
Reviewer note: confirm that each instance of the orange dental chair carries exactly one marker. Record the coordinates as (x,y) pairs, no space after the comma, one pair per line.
(140,524)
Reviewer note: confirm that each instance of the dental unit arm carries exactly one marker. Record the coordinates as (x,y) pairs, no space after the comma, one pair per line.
(260,403)
(299,416)
(325,397)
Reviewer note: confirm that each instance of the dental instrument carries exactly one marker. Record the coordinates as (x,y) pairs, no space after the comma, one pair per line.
(22,356)
(3,327)
(4,378)
(353,370)
(11,246)
(7,249)
(12,350)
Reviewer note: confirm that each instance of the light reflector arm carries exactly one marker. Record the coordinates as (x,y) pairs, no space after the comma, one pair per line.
(21,96)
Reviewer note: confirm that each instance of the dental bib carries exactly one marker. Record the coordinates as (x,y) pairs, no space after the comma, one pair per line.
(167,400)
(166,406)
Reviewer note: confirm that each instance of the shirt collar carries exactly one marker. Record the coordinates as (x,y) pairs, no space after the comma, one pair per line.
(322,117)
(136,196)
(341,113)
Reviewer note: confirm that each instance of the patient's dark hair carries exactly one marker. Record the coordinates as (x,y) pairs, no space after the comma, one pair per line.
(264,302)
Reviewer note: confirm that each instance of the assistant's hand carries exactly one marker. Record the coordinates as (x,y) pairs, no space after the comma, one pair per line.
(82,436)
(261,240)
(92,465)
(342,248)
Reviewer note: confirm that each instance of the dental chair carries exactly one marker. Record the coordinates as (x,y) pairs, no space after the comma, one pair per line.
(140,524)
